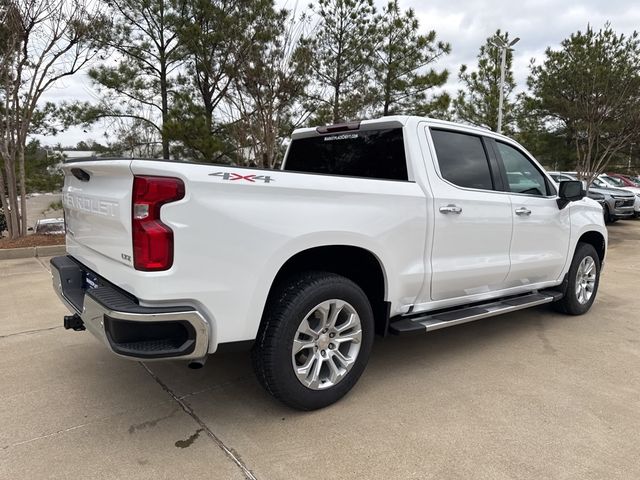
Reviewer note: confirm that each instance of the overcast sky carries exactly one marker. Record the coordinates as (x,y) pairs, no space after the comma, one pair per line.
(465,24)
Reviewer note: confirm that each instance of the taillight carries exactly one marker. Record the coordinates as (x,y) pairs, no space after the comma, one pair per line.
(152,239)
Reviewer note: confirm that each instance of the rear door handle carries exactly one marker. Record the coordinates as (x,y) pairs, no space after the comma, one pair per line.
(451,209)
(523,211)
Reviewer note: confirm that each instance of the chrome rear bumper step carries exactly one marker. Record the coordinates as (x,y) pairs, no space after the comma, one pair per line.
(129,329)
(434,321)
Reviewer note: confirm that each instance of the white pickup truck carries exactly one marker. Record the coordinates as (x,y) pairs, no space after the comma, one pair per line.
(396,225)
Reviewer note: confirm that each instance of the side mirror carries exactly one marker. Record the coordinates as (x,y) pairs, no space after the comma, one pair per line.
(570,191)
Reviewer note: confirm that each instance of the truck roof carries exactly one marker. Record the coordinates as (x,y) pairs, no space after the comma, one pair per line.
(390,122)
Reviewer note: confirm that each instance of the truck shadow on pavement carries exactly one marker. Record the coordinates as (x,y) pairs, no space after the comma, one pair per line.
(228,377)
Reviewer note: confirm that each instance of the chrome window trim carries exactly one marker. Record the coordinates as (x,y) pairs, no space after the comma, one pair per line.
(436,165)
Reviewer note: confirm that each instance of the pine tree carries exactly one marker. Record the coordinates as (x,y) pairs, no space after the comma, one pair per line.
(477,103)
(401,83)
(219,38)
(589,90)
(147,56)
(342,50)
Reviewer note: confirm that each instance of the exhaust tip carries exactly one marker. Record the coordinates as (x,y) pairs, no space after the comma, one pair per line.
(196,364)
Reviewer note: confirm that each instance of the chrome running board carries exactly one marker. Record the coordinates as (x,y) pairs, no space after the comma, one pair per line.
(448,318)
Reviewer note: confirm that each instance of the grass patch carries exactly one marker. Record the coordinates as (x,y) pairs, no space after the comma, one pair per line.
(55,205)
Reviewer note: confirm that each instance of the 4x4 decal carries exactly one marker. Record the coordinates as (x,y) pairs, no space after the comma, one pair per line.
(236,176)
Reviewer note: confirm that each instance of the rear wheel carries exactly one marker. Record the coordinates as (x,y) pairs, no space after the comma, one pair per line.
(583,281)
(314,341)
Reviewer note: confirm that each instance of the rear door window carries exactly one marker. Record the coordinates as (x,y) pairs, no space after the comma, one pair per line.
(364,153)
(462,159)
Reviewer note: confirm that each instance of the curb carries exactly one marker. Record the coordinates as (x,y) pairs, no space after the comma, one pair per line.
(30,252)
(51,250)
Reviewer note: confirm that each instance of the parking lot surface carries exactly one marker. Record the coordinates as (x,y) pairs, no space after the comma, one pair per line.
(532,394)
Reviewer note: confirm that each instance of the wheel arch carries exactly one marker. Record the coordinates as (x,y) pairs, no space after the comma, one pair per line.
(358,264)
(570,303)
(597,240)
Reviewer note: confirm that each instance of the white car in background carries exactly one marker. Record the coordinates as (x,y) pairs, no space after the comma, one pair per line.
(50,226)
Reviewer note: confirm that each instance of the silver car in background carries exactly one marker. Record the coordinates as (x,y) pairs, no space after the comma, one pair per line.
(618,204)
(613,182)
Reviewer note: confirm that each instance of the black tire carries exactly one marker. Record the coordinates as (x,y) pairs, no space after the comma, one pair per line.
(286,308)
(606,214)
(570,303)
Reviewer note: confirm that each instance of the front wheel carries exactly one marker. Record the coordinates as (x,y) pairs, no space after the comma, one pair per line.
(314,341)
(583,281)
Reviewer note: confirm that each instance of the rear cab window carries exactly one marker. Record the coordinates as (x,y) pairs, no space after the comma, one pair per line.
(370,153)
(462,159)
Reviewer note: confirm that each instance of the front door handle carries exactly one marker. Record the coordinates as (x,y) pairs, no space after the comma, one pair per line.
(523,211)
(451,209)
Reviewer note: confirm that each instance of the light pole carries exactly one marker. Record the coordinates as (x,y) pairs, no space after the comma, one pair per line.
(501,43)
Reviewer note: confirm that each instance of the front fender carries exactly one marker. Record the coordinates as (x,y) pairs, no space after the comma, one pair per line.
(586,217)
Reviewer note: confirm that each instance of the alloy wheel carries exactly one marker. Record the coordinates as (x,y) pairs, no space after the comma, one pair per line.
(585,280)
(326,344)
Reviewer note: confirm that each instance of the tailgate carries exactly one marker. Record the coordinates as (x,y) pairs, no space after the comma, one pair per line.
(97,207)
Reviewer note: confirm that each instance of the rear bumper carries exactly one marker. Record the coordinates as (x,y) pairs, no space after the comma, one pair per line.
(128,329)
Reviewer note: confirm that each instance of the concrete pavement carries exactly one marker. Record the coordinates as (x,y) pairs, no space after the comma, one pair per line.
(528,395)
